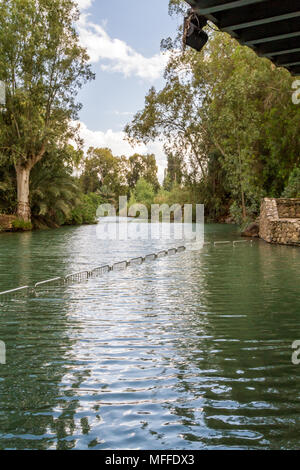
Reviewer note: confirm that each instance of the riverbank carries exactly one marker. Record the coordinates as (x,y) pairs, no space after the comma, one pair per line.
(15,225)
(82,213)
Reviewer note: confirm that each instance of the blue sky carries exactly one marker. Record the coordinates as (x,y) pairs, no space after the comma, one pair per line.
(123,39)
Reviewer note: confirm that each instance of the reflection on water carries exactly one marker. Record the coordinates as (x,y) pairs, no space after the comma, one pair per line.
(189,352)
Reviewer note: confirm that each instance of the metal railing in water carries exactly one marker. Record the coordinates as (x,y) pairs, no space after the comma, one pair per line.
(136,261)
(21,292)
(82,276)
(57,281)
(97,272)
(120,266)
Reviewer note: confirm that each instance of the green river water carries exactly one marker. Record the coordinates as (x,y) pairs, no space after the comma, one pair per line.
(192,351)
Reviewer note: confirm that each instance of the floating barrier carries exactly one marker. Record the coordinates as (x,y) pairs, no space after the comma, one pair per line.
(51,282)
(96,272)
(83,276)
(120,266)
(151,257)
(15,293)
(238,242)
(162,254)
(77,277)
(136,261)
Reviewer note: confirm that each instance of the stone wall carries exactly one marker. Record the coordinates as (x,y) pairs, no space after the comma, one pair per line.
(288,208)
(6,222)
(280,221)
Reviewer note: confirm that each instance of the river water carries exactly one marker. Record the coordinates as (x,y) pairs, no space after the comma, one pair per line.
(192,351)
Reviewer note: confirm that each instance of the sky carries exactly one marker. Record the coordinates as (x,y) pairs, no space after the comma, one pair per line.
(123,41)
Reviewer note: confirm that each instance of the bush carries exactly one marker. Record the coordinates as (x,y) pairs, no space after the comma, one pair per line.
(237,215)
(20,225)
(85,211)
(293,187)
(143,194)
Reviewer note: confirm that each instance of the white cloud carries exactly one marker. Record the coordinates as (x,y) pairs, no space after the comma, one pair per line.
(123,113)
(115,55)
(84,4)
(119,146)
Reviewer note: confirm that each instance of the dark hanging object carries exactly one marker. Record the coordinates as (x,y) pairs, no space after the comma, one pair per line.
(193,35)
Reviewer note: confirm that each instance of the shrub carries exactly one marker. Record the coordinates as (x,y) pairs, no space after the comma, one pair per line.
(293,187)
(143,194)
(20,225)
(85,211)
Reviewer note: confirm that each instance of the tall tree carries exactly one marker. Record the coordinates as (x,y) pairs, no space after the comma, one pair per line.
(104,173)
(174,171)
(145,167)
(228,103)
(43,67)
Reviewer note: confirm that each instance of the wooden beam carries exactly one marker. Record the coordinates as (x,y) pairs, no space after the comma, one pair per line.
(207,7)
(271,39)
(276,53)
(263,13)
(290,64)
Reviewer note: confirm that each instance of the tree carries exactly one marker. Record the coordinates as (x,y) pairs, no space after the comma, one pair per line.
(8,194)
(104,173)
(293,187)
(143,193)
(250,104)
(229,106)
(54,191)
(172,115)
(174,172)
(43,66)
(143,166)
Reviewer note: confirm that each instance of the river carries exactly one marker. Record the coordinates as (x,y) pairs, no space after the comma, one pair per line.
(191,351)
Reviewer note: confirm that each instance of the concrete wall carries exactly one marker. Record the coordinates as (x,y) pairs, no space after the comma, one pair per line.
(280,221)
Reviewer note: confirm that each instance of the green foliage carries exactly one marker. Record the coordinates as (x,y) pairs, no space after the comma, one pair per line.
(102,170)
(142,166)
(8,190)
(228,121)
(20,225)
(54,191)
(177,195)
(293,186)
(43,66)
(85,211)
(56,196)
(174,172)
(113,176)
(143,194)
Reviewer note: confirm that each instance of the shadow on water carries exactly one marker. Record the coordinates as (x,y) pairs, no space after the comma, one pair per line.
(235,368)
(36,385)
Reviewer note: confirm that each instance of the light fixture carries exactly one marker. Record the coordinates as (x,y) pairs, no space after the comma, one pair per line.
(194,36)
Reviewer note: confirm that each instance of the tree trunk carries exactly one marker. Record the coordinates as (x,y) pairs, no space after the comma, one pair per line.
(244,206)
(23,175)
